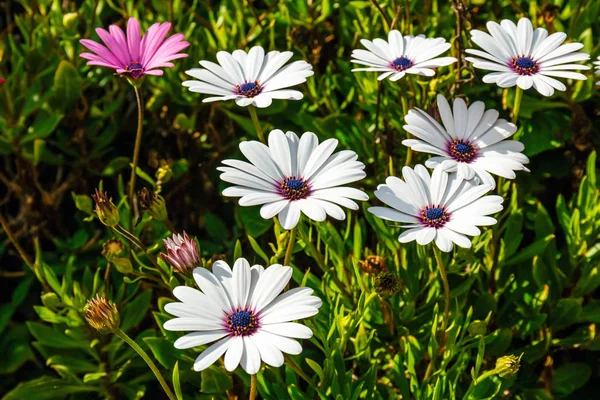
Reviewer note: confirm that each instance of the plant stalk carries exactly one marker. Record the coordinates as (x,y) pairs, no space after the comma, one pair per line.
(517,105)
(440,263)
(253,387)
(290,246)
(254,117)
(136,148)
(148,361)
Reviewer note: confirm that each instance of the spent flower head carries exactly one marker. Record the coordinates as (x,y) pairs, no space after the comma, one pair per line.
(387,284)
(106,211)
(182,253)
(134,55)
(373,264)
(102,315)
(112,249)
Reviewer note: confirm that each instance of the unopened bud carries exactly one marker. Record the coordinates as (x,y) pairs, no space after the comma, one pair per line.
(106,211)
(387,284)
(182,253)
(123,265)
(164,173)
(70,20)
(102,315)
(508,366)
(51,300)
(153,204)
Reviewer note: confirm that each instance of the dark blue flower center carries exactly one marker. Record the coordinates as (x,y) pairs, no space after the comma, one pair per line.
(294,188)
(434,213)
(462,150)
(242,323)
(434,216)
(524,65)
(402,63)
(135,69)
(249,89)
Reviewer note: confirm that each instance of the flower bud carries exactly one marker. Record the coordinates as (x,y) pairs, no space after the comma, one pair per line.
(387,284)
(182,253)
(508,366)
(164,173)
(102,315)
(106,211)
(51,300)
(477,328)
(373,265)
(112,249)
(70,20)
(153,204)
(123,265)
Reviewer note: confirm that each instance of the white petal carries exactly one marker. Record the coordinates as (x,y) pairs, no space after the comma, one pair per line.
(241,282)
(211,354)
(210,286)
(234,353)
(289,215)
(289,329)
(284,344)
(269,286)
(250,357)
(199,338)
(270,354)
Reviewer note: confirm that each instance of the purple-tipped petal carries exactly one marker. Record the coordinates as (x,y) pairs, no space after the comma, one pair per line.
(121,54)
(154,41)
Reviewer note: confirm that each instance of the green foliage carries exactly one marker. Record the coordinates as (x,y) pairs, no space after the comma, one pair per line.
(529,285)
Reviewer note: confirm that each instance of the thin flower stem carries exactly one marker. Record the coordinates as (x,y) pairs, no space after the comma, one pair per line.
(480,378)
(517,105)
(440,263)
(170,225)
(290,246)
(136,148)
(253,387)
(383,14)
(148,361)
(13,240)
(254,117)
(134,240)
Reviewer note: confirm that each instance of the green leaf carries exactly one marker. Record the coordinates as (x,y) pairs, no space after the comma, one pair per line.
(67,85)
(534,249)
(135,310)
(566,312)
(176,382)
(253,223)
(163,350)
(570,377)
(115,165)
(215,380)
(42,127)
(46,387)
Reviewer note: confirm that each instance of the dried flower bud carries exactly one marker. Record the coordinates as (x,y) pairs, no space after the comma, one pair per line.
(112,249)
(373,265)
(106,211)
(182,253)
(508,366)
(102,315)
(153,204)
(387,284)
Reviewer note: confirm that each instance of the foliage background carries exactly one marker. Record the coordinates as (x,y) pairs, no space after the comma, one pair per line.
(531,282)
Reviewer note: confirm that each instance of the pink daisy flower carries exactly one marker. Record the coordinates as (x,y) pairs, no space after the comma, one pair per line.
(2,81)
(133,55)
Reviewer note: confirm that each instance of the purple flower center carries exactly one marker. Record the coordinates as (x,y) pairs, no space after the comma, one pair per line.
(401,63)
(242,323)
(294,188)
(135,70)
(524,65)
(248,89)
(434,216)
(462,150)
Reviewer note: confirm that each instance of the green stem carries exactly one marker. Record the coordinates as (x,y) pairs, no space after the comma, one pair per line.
(440,263)
(136,148)
(254,117)
(148,361)
(517,105)
(290,246)
(253,387)
(301,374)
(477,381)
(13,240)
(137,242)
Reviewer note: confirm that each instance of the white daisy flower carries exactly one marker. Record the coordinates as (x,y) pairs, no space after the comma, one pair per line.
(471,142)
(244,310)
(250,78)
(439,207)
(401,55)
(597,63)
(521,56)
(292,175)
